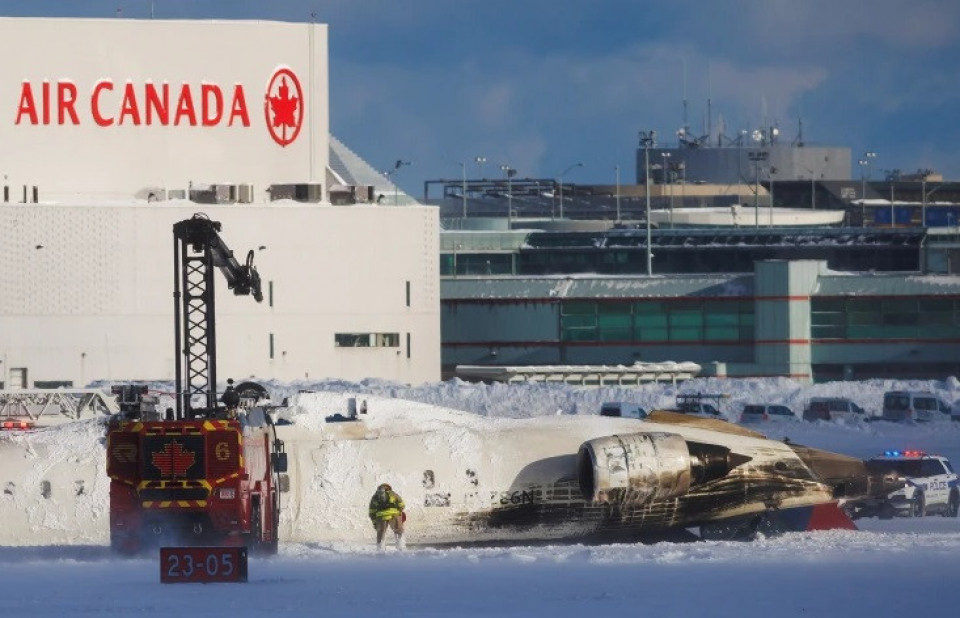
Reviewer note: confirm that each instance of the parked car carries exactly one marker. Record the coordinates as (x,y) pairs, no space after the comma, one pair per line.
(622,408)
(761,413)
(917,406)
(832,409)
(930,486)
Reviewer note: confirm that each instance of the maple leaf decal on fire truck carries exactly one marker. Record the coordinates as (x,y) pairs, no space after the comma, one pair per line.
(283,106)
(173,460)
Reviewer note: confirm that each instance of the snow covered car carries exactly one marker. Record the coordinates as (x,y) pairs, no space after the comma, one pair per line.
(700,404)
(832,409)
(931,486)
(922,407)
(762,413)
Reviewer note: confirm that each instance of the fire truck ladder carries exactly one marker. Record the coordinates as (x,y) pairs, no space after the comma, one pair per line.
(197,249)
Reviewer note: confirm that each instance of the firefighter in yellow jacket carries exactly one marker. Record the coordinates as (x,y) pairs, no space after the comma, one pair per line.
(386,511)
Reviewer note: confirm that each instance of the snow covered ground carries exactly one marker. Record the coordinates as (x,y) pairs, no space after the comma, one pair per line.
(888,568)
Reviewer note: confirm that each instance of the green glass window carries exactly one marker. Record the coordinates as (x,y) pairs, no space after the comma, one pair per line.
(686,322)
(614,322)
(650,321)
(578,321)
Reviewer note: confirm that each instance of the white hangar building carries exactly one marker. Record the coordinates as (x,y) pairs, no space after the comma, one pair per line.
(112,130)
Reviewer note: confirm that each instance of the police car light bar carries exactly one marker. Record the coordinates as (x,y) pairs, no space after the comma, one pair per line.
(904,454)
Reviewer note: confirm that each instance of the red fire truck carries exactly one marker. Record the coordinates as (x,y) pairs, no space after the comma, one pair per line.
(209,471)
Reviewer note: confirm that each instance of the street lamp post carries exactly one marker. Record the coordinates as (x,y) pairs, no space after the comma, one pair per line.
(666,181)
(391,176)
(864,172)
(617,168)
(770,174)
(463,189)
(648,139)
(561,184)
(756,157)
(926,194)
(510,172)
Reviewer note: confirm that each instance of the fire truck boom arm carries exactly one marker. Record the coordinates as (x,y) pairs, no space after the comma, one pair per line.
(198,249)
(201,232)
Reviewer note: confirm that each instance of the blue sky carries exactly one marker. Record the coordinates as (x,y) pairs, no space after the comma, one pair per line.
(540,85)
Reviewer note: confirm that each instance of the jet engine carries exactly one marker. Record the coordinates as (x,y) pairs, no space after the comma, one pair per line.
(643,467)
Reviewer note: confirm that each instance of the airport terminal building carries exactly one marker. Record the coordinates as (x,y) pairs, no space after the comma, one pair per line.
(811,305)
(112,134)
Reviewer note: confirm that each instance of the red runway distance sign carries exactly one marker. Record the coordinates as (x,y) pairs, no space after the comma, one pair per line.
(191,565)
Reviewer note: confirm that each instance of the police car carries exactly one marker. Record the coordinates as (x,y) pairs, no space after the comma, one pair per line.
(930,486)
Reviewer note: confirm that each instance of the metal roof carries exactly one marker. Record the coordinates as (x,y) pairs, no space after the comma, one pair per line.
(596,286)
(887,284)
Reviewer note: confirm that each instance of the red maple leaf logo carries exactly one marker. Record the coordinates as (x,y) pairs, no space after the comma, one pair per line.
(283,106)
(173,460)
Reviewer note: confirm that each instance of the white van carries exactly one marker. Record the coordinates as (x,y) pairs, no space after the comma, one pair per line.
(914,406)
(622,408)
(832,409)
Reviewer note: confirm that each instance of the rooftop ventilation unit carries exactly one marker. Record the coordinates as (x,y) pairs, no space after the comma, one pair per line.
(345,195)
(303,192)
(245,194)
(213,194)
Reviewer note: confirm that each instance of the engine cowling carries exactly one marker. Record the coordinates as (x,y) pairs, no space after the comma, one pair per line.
(634,468)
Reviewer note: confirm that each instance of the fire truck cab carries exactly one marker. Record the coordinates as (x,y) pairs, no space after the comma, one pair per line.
(203,481)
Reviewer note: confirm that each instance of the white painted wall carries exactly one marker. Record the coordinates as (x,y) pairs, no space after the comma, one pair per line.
(96,300)
(70,158)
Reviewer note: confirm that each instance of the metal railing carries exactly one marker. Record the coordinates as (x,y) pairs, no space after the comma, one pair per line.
(53,406)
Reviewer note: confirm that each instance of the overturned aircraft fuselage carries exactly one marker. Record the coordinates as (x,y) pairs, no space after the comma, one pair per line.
(472,479)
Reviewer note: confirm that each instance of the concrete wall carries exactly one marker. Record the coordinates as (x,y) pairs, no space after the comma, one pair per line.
(86,291)
(76,122)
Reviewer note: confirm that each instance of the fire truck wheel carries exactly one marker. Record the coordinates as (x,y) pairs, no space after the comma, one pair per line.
(256,527)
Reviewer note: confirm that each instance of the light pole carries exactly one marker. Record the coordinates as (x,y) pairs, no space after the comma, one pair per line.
(510,172)
(480,161)
(391,177)
(561,184)
(813,188)
(926,194)
(864,173)
(617,168)
(757,157)
(893,210)
(740,138)
(648,139)
(770,174)
(665,170)
(463,189)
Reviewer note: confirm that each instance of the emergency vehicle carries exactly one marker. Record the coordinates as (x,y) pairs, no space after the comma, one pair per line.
(931,486)
(204,472)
